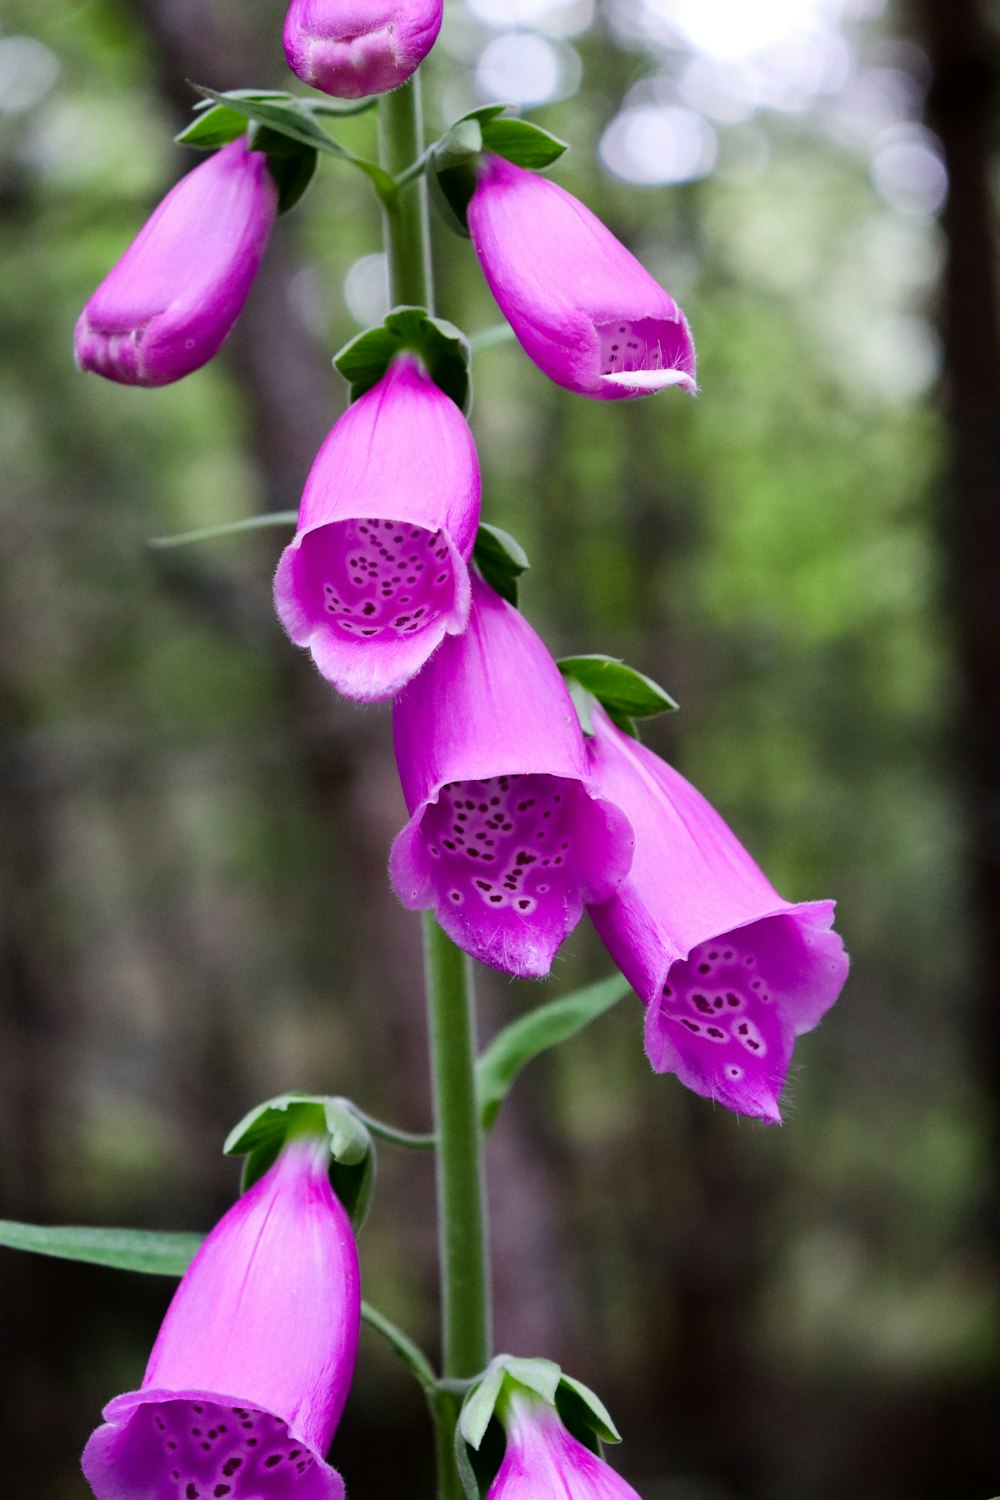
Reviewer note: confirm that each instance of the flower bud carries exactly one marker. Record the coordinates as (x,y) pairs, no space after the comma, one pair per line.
(730,973)
(165,308)
(249,1374)
(582,307)
(355,47)
(542,1459)
(505,841)
(377,573)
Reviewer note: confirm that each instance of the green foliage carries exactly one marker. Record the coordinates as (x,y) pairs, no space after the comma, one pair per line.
(501,559)
(546,1026)
(626,694)
(152,1251)
(262,1133)
(443,348)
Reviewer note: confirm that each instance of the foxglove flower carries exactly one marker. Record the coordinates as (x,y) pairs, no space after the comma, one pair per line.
(377,573)
(169,303)
(730,972)
(582,307)
(542,1459)
(355,47)
(505,841)
(249,1374)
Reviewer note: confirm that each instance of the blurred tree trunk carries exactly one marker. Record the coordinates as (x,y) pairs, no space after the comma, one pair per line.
(962,108)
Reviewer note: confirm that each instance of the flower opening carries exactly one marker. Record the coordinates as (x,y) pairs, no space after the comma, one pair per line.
(506,842)
(377,573)
(582,307)
(249,1374)
(729,971)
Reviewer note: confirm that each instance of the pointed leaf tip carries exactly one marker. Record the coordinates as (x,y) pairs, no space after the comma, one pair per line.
(625,693)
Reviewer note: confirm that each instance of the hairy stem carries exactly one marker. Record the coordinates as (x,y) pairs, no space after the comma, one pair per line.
(405,223)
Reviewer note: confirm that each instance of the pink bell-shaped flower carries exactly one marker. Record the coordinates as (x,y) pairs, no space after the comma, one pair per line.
(377,573)
(249,1374)
(582,307)
(355,47)
(506,841)
(542,1459)
(730,973)
(165,308)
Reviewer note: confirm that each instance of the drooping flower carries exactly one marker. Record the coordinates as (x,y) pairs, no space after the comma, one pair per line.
(165,308)
(729,971)
(249,1374)
(506,841)
(582,307)
(377,573)
(355,47)
(542,1459)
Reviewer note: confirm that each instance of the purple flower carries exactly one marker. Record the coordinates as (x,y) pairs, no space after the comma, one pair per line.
(377,573)
(249,1374)
(583,308)
(506,841)
(169,303)
(355,47)
(542,1459)
(730,972)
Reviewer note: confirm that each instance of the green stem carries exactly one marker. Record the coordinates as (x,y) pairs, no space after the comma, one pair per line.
(465,1300)
(405,221)
(411,1354)
(461,1200)
(405,1138)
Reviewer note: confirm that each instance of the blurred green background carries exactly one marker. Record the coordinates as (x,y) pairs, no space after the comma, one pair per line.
(194,911)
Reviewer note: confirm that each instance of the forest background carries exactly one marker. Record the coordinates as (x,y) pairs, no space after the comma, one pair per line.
(194,909)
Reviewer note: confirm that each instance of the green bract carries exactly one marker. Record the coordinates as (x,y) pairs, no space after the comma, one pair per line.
(443,348)
(261,1134)
(501,560)
(451,169)
(478,1442)
(626,694)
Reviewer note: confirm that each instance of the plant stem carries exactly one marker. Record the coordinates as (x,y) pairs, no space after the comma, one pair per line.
(405,223)
(465,1302)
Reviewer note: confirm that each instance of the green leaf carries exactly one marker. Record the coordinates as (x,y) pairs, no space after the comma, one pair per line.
(443,348)
(293,118)
(523,143)
(155,1252)
(585,1414)
(501,560)
(292,171)
(262,1133)
(545,1026)
(479,1403)
(624,692)
(206,533)
(451,169)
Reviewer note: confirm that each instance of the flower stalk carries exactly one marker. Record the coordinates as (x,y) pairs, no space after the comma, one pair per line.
(465,1299)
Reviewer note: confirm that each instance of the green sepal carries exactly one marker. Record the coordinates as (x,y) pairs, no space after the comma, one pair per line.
(443,348)
(294,118)
(262,1133)
(626,694)
(523,143)
(216,124)
(546,1026)
(452,161)
(292,166)
(155,1252)
(479,1444)
(501,560)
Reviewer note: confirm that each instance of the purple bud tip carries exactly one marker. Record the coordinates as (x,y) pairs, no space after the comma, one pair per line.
(164,310)
(350,48)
